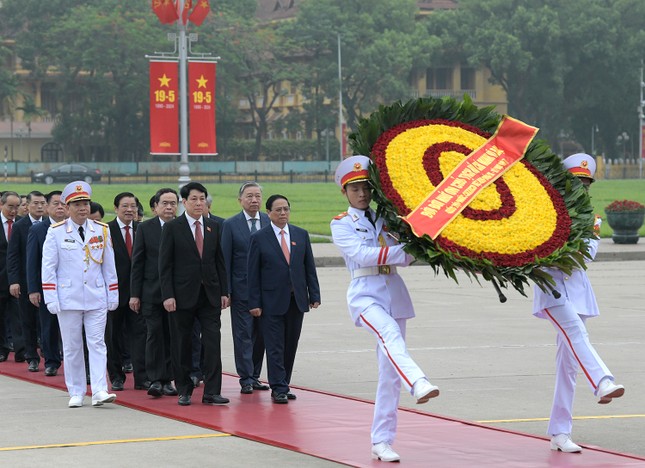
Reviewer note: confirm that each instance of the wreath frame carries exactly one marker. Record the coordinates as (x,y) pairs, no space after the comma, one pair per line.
(566,258)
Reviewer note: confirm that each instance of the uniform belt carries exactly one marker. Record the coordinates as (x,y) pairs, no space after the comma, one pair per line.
(373,271)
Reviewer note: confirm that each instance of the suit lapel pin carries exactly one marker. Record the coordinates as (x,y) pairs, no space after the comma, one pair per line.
(293,243)
(208,228)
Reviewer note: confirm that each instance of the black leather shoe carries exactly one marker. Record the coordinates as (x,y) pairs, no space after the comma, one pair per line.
(195,381)
(257,385)
(143,386)
(19,358)
(33,366)
(3,357)
(51,371)
(214,399)
(280,398)
(127,368)
(117,385)
(155,389)
(168,389)
(184,400)
(246,389)
(291,396)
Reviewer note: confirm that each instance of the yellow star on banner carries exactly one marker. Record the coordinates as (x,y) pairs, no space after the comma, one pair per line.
(201,82)
(164,81)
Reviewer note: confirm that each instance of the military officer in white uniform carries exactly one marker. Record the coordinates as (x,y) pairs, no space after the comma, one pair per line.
(378,300)
(568,314)
(80,286)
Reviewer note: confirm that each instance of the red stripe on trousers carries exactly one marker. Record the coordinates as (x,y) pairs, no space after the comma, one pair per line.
(387,352)
(571,348)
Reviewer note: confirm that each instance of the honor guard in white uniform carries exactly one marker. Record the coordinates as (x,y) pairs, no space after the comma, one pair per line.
(568,313)
(378,300)
(80,286)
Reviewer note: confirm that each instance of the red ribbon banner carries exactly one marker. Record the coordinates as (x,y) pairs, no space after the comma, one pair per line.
(481,168)
(201,102)
(164,107)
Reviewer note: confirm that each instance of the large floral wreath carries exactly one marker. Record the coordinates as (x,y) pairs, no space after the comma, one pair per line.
(536,215)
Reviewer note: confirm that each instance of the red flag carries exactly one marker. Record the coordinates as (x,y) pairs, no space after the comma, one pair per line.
(201,102)
(165,11)
(200,12)
(188,4)
(164,107)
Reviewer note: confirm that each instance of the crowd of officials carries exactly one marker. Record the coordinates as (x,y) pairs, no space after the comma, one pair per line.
(144,297)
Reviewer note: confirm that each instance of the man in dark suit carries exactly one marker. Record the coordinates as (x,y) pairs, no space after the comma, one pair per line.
(248,343)
(9,312)
(282,285)
(146,293)
(122,231)
(193,286)
(17,275)
(49,332)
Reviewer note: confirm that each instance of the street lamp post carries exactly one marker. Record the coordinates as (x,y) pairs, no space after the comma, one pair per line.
(641,123)
(622,139)
(594,130)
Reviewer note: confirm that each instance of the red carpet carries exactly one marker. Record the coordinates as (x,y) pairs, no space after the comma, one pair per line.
(336,428)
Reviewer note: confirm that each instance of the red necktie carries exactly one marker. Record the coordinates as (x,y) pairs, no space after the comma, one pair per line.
(128,241)
(9,224)
(283,244)
(199,237)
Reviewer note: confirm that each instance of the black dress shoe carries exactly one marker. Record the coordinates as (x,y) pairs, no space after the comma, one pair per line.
(127,368)
(257,385)
(280,398)
(196,381)
(246,389)
(117,385)
(155,389)
(51,371)
(168,389)
(3,357)
(291,396)
(214,399)
(184,400)
(19,358)
(33,366)
(142,386)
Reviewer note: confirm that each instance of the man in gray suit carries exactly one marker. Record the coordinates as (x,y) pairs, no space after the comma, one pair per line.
(248,343)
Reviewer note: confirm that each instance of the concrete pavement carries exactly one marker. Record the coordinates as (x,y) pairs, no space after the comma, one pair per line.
(493,362)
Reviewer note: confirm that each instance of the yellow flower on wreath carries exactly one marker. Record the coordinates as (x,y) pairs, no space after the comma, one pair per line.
(404,159)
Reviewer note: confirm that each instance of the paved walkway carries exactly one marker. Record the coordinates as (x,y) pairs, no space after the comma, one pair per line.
(328,255)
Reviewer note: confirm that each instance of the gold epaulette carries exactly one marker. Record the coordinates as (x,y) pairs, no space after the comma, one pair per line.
(341,216)
(59,223)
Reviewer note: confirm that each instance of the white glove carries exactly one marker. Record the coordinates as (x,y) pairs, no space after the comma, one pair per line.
(112,306)
(53,307)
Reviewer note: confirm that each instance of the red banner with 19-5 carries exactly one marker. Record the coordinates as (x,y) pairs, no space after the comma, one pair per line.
(164,107)
(201,107)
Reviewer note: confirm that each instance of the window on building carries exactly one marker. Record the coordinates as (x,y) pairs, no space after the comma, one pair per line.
(51,152)
(439,78)
(467,78)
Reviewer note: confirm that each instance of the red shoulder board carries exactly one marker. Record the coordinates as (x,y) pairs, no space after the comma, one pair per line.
(341,216)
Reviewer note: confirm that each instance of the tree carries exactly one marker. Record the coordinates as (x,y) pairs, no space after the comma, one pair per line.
(30,111)
(379,43)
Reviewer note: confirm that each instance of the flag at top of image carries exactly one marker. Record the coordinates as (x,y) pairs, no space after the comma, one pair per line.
(165,10)
(199,13)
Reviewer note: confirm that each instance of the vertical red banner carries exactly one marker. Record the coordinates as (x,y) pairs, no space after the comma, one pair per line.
(164,107)
(201,107)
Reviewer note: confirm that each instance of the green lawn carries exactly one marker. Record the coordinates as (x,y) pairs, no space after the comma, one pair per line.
(315,204)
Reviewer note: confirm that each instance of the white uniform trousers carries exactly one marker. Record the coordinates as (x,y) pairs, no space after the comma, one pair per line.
(71,324)
(394,366)
(575,351)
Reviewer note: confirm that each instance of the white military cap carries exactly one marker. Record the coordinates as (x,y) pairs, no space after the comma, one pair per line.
(76,191)
(581,165)
(352,169)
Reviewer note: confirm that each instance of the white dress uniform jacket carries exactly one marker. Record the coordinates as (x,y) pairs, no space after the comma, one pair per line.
(359,244)
(574,288)
(79,275)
